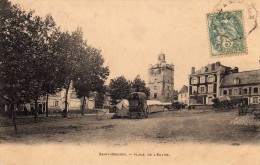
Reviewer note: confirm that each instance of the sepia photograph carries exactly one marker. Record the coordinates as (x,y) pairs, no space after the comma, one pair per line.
(129,82)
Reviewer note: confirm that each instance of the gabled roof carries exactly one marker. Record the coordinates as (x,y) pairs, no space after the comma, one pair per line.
(184,89)
(245,78)
(175,92)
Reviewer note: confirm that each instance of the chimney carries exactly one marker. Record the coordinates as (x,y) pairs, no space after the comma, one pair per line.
(235,70)
(192,70)
(213,67)
(217,64)
(172,66)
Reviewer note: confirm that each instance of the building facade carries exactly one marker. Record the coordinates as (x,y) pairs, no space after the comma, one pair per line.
(56,102)
(183,95)
(204,84)
(243,85)
(161,80)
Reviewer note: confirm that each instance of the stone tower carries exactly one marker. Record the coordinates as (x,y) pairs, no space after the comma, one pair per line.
(161,80)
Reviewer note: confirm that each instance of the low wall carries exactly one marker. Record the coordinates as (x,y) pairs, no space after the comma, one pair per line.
(200,107)
(156,108)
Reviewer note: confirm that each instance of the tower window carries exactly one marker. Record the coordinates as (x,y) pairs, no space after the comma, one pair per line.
(155,95)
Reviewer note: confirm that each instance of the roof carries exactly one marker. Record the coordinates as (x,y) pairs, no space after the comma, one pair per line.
(137,95)
(184,89)
(214,67)
(154,102)
(245,78)
(122,104)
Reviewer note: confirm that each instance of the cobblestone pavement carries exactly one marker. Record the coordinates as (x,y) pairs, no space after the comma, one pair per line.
(246,120)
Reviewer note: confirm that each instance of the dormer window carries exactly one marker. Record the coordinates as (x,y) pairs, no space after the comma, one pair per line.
(236,81)
(211,78)
(194,80)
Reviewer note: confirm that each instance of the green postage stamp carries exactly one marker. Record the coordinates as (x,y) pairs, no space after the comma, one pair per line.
(226,33)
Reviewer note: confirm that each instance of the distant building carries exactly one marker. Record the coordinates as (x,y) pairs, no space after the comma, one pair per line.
(107,97)
(183,95)
(161,80)
(243,85)
(56,102)
(175,95)
(204,84)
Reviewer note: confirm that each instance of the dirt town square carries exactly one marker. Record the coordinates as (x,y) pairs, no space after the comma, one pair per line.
(142,78)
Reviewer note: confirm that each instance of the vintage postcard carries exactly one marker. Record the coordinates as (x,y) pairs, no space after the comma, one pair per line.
(129,82)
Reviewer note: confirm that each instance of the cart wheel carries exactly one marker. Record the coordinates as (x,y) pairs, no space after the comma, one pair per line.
(129,116)
(140,115)
(147,112)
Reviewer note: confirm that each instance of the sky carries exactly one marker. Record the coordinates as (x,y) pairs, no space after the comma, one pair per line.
(131,34)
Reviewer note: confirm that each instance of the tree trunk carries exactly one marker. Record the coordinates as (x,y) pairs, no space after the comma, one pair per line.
(65,111)
(35,108)
(14,117)
(83,106)
(47,105)
(9,111)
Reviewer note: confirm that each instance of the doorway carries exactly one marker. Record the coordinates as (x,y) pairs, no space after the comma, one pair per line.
(245,101)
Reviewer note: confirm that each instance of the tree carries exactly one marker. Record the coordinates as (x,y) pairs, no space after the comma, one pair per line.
(43,62)
(119,89)
(14,52)
(54,80)
(91,74)
(69,48)
(100,98)
(26,54)
(139,86)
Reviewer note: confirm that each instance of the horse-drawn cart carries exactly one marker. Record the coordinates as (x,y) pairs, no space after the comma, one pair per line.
(138,105)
